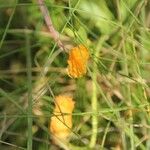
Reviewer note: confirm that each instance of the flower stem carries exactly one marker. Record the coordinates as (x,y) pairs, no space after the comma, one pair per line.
(54,34)
(94,94)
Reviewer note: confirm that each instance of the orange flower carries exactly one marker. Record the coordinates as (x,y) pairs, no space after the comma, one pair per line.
(77,62)
(61,124)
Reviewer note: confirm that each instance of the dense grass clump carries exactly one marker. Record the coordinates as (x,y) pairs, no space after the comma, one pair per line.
(109,83)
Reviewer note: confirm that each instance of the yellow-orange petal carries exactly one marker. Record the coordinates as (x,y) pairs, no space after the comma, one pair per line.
(77,61)
(61,123)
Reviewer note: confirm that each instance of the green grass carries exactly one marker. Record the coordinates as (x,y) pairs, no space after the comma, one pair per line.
(112,108)
(29,79)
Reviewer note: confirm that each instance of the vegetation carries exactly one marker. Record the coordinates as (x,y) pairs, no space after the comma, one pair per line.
(112,98)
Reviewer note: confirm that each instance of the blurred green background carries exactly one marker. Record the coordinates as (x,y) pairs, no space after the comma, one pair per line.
(112,108)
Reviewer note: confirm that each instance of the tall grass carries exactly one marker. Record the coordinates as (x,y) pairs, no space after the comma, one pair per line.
(112,99)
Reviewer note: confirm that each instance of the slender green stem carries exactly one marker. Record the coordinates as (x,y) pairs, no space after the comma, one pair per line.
(105,133)
(94,95)
(8,24)
(128,93)
(29,79)
(94,109)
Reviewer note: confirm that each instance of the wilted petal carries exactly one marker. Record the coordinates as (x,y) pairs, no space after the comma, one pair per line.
(77,61)
(61,123)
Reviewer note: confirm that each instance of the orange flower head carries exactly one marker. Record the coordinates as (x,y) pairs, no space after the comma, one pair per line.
(61,123)
(77,62)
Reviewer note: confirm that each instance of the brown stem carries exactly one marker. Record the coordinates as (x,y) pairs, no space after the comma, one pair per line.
(54,34)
